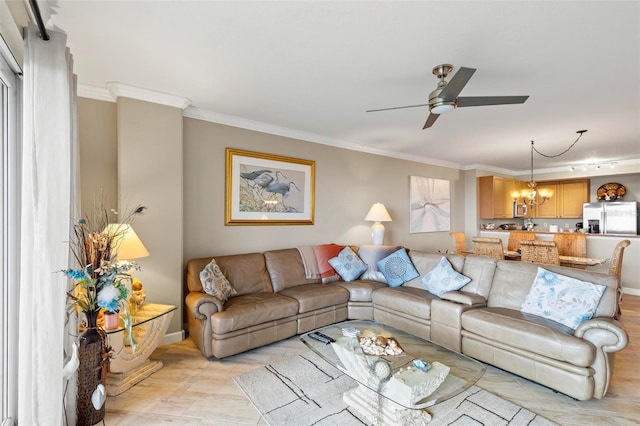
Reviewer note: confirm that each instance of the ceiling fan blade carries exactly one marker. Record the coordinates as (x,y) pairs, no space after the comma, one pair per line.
(457,83)
(402,107)
(469,101)
(430,120)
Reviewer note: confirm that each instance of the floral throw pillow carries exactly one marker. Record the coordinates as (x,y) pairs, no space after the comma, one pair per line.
(348,265)
(397,268)
(562,299)
(215,283)
(443,278)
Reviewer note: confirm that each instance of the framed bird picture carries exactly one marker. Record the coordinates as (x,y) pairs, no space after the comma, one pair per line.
(266,189)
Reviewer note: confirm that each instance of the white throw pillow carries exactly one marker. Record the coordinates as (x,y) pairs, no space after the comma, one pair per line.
(215,283)
(443,278)
(562,299)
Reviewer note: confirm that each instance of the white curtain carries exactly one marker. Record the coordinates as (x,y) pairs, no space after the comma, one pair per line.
(49,171)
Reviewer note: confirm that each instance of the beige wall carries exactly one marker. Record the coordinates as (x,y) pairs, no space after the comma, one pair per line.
(150,173)
(98,154)
(347,184)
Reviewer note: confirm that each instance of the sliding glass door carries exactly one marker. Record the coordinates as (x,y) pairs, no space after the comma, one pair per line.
(9,250)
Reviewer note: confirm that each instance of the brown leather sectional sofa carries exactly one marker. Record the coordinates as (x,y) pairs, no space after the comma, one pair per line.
(483,319)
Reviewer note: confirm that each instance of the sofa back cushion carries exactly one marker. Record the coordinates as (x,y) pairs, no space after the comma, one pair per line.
(425,262)
(247,273)
(513,280)
(481,270)
(286,269)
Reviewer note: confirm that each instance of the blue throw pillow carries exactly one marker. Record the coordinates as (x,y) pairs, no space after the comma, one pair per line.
(397,268)
(443,278)
(348,264)
(562,299)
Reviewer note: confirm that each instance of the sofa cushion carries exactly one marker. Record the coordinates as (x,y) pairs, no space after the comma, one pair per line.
(371,254)
(562,299)
(397,268)
(348,264)
(311,297)
(530,333)
(324,252)
(247,272)
(252,309)
(512,281)
(215,283)
(443,278)
(286,269)
(411,301)
(481,270)
(360,291)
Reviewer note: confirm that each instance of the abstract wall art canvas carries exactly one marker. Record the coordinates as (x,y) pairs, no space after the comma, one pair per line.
(429,205)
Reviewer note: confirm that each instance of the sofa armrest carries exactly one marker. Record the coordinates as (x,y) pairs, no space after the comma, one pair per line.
(608,336)
(465,298)
(446,321)
(202,305)
(603,332)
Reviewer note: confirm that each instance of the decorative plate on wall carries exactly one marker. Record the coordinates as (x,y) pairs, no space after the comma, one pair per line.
(611,192)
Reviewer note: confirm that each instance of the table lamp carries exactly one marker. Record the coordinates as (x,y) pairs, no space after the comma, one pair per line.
(377,214)
(129,247)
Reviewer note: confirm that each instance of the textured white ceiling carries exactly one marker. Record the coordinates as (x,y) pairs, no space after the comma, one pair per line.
(312,69)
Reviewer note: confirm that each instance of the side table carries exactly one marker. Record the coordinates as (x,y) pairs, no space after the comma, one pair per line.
(150,323)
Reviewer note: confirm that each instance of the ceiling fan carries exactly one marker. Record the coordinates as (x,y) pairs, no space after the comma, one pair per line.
(445,97)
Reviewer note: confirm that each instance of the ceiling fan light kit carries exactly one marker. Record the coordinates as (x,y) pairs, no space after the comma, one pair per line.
(445,97)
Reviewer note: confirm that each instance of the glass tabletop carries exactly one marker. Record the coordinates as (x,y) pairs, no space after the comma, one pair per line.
(148,312)
(397,377)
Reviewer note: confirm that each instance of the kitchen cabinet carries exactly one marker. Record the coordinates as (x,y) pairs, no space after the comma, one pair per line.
(494,197)
(566,202)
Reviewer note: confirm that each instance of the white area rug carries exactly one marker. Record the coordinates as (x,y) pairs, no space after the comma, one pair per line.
(306,390)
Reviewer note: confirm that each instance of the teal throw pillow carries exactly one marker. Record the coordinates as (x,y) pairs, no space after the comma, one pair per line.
(443,278)
(562,299)
(397,268)
(348,265)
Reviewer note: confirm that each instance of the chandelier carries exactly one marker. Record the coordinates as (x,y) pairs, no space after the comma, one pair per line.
(529,195)
(534,196)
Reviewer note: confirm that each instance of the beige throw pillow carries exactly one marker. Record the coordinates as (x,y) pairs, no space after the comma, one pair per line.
(215,283)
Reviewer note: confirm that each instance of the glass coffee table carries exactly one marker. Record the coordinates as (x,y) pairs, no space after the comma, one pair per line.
(393,388)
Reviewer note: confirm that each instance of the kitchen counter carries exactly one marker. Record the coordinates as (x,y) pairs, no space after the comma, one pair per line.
(546,231)
(599,246)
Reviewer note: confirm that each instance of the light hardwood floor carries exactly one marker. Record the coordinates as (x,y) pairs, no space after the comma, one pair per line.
(191,390)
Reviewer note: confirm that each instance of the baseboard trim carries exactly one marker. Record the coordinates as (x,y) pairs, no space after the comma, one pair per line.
(173,338)
(631,291)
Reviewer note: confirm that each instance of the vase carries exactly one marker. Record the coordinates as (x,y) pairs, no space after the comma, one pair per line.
(111,320)
(90,372)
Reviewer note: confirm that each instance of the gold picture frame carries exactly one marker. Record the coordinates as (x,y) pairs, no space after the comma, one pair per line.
(266,189)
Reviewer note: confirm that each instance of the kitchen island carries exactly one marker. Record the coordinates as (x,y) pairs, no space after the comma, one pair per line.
(599,247)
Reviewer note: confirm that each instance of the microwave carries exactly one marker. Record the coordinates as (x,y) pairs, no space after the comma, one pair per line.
(519,209)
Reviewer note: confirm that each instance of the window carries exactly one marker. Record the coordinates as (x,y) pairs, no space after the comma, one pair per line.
(9,230)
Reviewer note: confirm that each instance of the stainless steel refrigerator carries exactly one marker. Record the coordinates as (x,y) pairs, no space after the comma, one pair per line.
(611,218)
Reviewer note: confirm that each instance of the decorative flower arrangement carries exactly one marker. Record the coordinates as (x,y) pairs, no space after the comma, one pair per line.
(101,281)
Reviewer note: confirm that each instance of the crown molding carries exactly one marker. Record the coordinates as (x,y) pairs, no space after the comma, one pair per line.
(115,90)
(259,126)
(119,89)
(94,92)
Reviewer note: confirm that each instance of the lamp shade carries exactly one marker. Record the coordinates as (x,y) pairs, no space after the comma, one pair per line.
(128,244)
(378,213)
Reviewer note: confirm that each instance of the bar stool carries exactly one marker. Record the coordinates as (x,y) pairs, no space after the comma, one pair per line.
(491,247)
(538,251)
(615,269)
(460,243)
